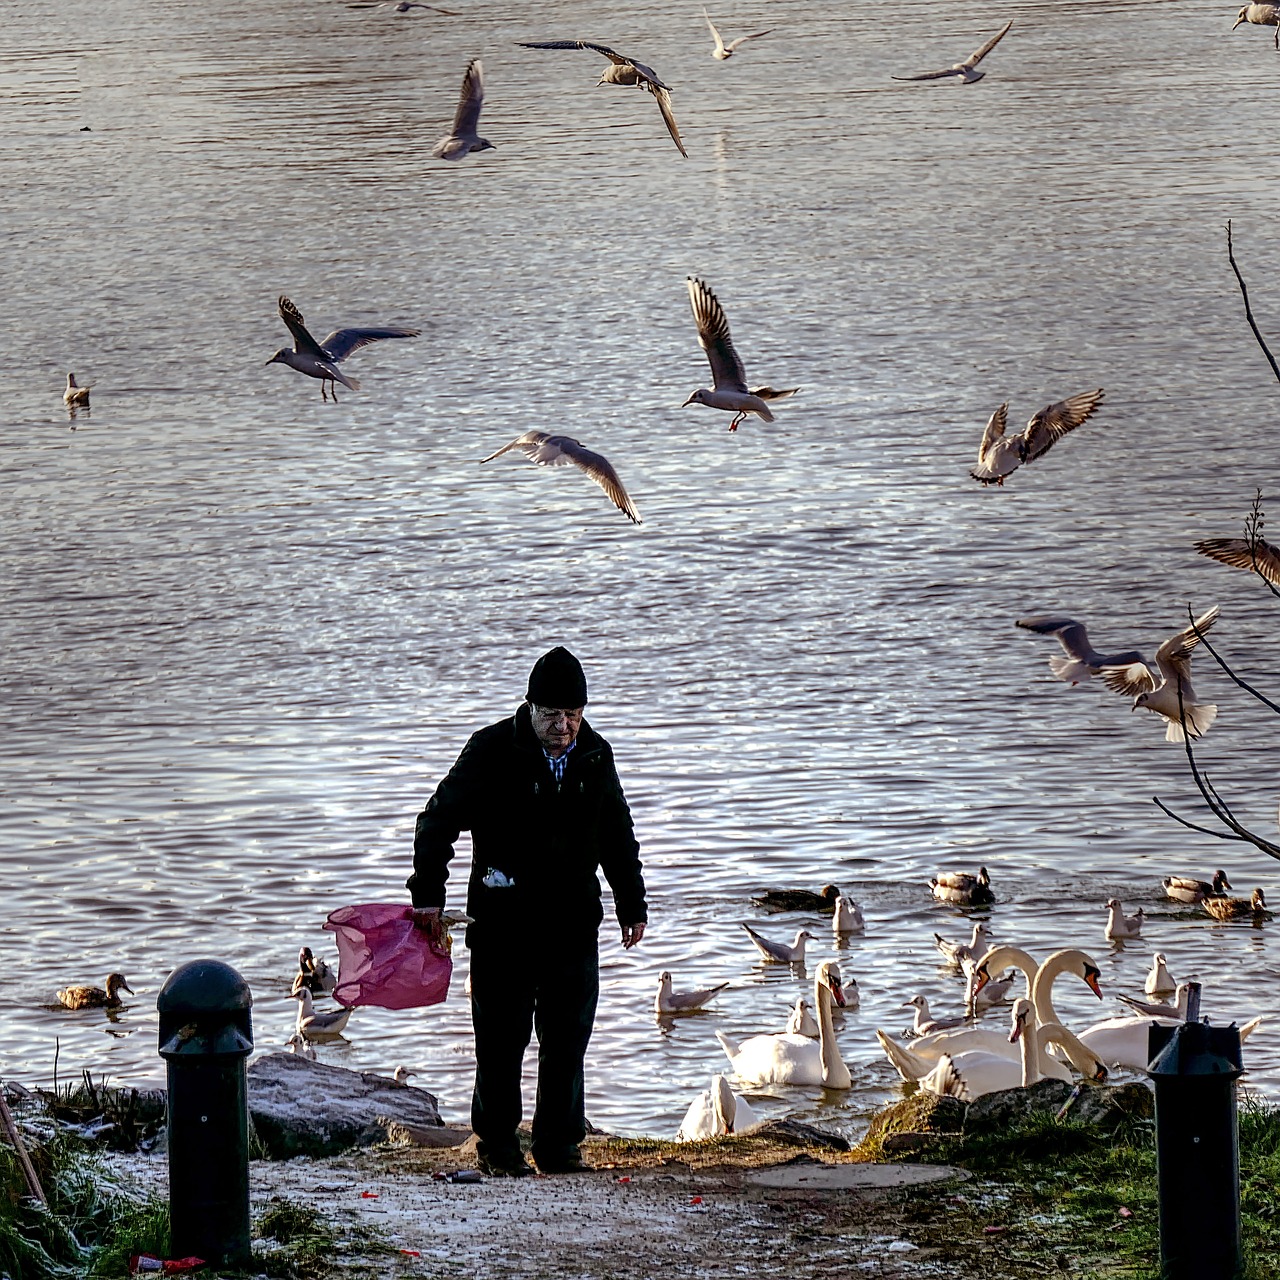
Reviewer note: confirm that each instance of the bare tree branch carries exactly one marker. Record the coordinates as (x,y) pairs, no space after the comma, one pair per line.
(1217,657)
(1248,313)
(1253,536)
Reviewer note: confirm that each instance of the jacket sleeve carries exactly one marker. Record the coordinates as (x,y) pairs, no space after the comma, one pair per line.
(448,813)
(620,855)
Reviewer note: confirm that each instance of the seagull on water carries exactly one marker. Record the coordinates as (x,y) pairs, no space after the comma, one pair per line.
(321,359)
(780,952)
(1173,660)
(558,451)
(404,6)
(965,70)
(998,454)
(1261,15)
(75,396)
(1240,553)
(669,1001)
(722,52)
(727,373)
(466,120)
(1083,661)
(624,71)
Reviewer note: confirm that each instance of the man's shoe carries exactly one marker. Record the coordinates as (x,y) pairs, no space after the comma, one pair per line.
(507,1165)
(568,1161)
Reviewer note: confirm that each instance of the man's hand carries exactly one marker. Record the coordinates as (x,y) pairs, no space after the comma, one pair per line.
(631,934)
(428,920)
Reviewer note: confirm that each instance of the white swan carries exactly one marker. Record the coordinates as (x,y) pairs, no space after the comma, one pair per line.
(1159,980)
(848,917)
(792,1059)
(955,953)
(969,1075)
(1122,1042)
(1121,927)
(670,1002)
(716,1112)
(802,1022)
(318,1026)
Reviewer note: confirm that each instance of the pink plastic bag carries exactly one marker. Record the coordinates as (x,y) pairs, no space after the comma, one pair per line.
(385,959)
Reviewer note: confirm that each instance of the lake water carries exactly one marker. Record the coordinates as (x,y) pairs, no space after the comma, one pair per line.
(245,632)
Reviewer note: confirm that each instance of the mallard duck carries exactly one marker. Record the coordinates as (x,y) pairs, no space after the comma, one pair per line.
(1185,889)
(668,1001)
(314,973)
(962,888)
(1120,927)
(1254,907)
(96,997)
(823,902)
(779,952)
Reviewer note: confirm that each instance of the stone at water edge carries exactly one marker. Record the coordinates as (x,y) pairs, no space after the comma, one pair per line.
(308,1108)
(1106,1107)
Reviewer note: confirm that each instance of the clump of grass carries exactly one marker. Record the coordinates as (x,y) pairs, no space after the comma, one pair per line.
(304,1243)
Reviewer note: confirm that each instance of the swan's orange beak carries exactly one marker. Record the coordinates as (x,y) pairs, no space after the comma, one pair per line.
(1091,976)
(1016,1033)
(837,991)
(983,978)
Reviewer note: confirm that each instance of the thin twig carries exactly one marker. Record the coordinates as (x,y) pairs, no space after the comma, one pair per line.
(15,1137)
(1248,313)
(1253,535)
(1194,826)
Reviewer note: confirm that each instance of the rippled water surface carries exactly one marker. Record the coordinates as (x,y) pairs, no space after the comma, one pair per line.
(246,631)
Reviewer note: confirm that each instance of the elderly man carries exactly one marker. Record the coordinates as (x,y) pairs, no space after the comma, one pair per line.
(541,798)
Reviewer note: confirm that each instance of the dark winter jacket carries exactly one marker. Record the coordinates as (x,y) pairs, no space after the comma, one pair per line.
(547,838)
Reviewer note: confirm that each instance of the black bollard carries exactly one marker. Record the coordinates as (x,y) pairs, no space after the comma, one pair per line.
(205,1037)
(1195,1068)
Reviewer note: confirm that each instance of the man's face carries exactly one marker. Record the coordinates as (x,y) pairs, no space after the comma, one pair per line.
(555,727)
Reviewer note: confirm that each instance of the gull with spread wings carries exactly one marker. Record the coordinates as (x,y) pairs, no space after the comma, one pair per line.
(998,454)
(559,451)
(321,359)
(723,51)
(1173,660)
(965,70)
(624,71)
(466,120)
(1083,661)
(730,379)
(1257,554)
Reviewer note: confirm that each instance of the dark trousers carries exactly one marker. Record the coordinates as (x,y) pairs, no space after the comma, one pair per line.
(553,993)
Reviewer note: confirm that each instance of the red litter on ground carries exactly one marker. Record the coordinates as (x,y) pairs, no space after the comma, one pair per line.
(369,1195)
(993,1231)
(622,1179)
(148,1262)
(696,1200)
(411,1253)
(1124,1213)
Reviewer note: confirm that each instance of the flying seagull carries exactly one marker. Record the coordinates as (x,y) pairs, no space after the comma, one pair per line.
(403,6)
(559,451)
(1243,553)
(727,373)
(466,120)
(1261,15)
(965,70)
(1083,661)
(998,454)
(623,71)
(722,52)
(1173,660)
(321,359)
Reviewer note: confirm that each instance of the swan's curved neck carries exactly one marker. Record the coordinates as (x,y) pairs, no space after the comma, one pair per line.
(1082,1057)
(1029,1047)
(835,1075)
(1000,958)
(1042,987)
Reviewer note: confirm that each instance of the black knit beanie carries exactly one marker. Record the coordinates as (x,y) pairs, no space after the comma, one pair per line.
(557,681)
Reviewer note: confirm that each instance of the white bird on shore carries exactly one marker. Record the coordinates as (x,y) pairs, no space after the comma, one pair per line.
(318,1026)
(1173,660)
(802,1022)
(716,1113)
(1261,15)
(671,1003)
(966,69)
(999,455)
(402,1074)
(728,376)
(465,137)
(848,916)
(779,952)
(1256,554)
(297,1044)
(722,52)
(321,359)
(557,451)
(75,396)
(1120,927)
(1083,661)
(956,953)
(925,1024)
(1159,980)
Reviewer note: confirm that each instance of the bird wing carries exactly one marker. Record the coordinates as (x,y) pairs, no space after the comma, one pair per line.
(599,468)
(715,35)
(929,75)
(977,56)
(302,339)
(342,342)
(993,431)
(577,44)
(713,336)
(1174,656)
(1071,634)
(1241,553)
(1053,422)
(1131,680)
(755,35)
(664,105)
(530,441)
(466,120)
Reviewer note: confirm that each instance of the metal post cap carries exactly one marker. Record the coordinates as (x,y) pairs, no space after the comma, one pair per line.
(204,1010)
(1194,1049)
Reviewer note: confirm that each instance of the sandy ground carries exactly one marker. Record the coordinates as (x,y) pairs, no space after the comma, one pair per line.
(793,1220)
